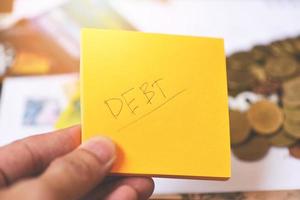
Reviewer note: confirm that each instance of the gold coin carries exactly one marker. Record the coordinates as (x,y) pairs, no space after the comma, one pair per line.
(295,150)
(265,117)
(292,115)
(281,67)
(296,45)
(288,46)
(282,139)
(240,79)
(291,103)
(239,60)
(260,53)
(292,128)
(291,89)
(258,72)
(278,49)
(255,149)
(239,127)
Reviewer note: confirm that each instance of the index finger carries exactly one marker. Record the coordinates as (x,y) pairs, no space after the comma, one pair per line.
(32,155)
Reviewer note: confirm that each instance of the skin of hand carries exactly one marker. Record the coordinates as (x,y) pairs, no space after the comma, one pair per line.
(55,166)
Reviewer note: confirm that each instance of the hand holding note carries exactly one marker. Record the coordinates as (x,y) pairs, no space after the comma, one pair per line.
(51,166)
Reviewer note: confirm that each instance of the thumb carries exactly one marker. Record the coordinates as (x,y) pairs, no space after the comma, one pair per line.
(72,176)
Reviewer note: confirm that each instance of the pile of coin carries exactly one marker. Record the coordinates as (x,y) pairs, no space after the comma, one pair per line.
(272,69)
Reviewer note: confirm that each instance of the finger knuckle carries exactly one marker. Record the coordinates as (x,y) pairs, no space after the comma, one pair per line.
(82,164)
(4,180)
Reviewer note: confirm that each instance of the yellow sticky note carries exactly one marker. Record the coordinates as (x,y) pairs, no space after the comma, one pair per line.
(27,63)
(161,98)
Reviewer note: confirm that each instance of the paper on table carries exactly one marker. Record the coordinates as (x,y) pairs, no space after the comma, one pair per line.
(31,105)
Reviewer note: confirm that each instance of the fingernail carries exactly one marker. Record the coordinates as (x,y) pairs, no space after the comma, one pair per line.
(102,147)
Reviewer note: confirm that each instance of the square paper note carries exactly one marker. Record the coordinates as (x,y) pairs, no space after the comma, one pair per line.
(161,98)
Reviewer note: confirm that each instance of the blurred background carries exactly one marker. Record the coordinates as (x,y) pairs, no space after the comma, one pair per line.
(39,66)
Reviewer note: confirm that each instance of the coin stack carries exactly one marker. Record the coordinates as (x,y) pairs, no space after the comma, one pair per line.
(273,69)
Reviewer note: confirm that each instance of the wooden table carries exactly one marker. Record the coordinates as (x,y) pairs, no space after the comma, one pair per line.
(274,195)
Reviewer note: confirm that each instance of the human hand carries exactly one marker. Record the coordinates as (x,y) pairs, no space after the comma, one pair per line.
(54,166)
